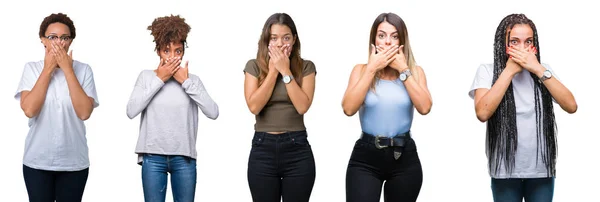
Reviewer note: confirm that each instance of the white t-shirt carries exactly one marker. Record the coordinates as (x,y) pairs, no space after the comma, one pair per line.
(528,162)
(56,140)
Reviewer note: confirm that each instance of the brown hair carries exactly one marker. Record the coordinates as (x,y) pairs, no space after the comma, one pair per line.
(397,22)
(169,29)
(262,57)
(60,18)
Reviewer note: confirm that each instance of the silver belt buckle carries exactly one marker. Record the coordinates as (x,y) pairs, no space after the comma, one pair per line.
(380,146)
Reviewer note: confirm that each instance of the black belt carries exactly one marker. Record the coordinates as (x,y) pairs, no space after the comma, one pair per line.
(397,142)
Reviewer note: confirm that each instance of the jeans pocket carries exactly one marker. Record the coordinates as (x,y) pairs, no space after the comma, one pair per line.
(300,141)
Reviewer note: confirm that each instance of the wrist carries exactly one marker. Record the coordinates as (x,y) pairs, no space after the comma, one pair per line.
(539,71)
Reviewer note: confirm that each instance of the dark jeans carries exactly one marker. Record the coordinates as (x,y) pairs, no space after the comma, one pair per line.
(370,167)
(281,166)
(47,186)
(515,190)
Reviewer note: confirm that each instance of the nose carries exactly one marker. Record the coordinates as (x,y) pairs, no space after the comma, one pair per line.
(388,41)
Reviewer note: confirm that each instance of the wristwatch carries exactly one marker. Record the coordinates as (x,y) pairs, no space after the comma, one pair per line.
(405,74)
(287,79)
(547,75)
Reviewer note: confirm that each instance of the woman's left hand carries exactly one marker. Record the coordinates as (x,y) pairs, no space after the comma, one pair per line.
(64,61)
(526,58)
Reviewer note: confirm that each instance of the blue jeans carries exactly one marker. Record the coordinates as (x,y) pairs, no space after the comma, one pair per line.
(514,190)
(154,177)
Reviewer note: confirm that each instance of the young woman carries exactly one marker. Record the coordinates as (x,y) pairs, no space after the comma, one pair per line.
(57,94)
(386,91)
(514,96)
(279,88)
(168,98)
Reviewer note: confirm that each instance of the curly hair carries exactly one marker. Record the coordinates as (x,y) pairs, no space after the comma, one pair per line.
(60,18)
(502,126)
(169,29)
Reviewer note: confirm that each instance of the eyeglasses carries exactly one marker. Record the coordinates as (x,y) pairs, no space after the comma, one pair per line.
(62,38)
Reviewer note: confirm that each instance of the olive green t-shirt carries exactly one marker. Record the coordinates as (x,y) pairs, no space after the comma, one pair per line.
(279,114)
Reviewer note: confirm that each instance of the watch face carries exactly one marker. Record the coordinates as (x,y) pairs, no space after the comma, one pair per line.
(286,79)
(402,77)
(547,74)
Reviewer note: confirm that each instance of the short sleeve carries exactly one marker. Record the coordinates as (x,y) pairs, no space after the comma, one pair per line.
(28,79)
(89,86)
(309,67)
(252,68)
(483,79)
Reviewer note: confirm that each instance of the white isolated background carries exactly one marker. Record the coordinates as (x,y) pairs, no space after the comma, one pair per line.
(450,39)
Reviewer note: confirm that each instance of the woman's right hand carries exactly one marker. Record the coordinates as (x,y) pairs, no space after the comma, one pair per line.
(50,63)
(513,67)
(166,69)
(380,60)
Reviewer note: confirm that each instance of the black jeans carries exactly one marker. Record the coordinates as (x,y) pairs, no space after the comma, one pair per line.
(369,167)
(47,186)
(281,166)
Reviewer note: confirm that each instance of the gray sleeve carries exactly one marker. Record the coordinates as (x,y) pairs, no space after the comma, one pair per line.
(194,87)
(146,86)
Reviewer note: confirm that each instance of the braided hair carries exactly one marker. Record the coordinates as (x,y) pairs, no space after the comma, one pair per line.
(502,126)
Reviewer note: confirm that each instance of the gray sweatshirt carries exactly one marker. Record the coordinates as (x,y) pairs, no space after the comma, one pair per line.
(169,122)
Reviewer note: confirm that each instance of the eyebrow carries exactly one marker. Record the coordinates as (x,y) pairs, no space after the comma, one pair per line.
(57,34)
(386,33)
(514,37)
(283,35)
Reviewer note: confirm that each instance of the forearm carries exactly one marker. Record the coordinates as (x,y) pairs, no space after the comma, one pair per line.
(32,103)
(196,91)
(142,95)
(82,103)
(355,95)
(561,94)
(487,105)
(299,99)
(261,96)
(419,96)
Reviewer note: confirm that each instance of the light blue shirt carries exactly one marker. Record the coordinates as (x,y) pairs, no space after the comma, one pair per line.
(56,140)
(387,111)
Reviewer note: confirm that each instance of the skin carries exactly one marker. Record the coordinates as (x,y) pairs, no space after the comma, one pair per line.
(280,48)
(170,59)
(56,57)
(388,58)
(521,56)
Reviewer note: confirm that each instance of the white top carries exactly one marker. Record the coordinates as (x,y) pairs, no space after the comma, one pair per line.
(527,162)
(169,123)
(56,140)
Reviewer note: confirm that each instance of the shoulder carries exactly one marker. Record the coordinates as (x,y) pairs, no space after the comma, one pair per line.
(359,68)
(308,63)
(34,65)
(251,63)
(486,66)
(193,76)
(82,67)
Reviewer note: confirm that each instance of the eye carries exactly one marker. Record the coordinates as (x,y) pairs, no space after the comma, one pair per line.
(287,38)
(65,38)
(178,51)
(52,37)
(166,51)
(380,36)
(395,37)
(273,39)
(513,42)
(529,41)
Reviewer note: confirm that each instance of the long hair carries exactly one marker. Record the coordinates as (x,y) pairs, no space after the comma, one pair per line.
(262,57)
(502,126)
(400,26)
